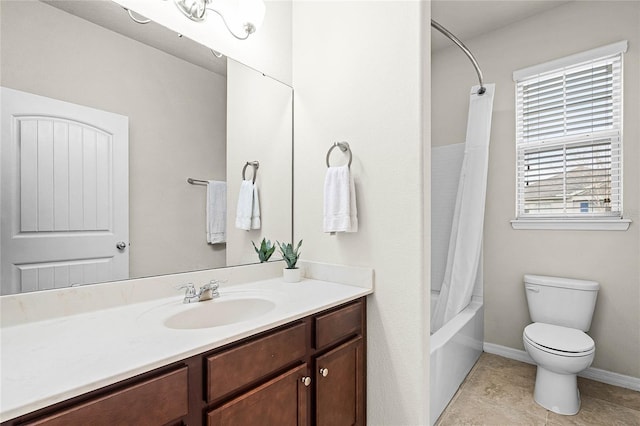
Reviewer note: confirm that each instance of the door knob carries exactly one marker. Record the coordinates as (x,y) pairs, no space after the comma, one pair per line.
(324,372)
(121,245)
(306,380)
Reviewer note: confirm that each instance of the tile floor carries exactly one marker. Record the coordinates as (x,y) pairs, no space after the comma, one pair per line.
(499,391)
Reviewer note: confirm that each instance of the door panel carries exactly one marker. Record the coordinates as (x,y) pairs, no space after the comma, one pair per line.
(50,163)
(64,198)
(45,276)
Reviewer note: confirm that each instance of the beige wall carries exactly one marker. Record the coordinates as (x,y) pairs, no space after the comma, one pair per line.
(358,76)
(52,53)
(610,257)
(266,104)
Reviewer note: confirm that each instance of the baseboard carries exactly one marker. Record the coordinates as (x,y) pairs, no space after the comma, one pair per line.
(596,374)
(611,378)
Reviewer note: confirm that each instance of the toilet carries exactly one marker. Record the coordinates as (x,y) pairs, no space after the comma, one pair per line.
(561,310)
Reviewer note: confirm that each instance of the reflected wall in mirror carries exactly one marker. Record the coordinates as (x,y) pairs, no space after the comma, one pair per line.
(187,116)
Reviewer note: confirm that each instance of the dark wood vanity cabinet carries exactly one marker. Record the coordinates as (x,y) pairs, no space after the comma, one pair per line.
(308,372)
(321,361)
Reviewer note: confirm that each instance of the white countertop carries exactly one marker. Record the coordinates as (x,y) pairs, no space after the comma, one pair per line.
(45,362)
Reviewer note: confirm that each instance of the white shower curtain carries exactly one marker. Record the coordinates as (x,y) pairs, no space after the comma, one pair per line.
(465,243)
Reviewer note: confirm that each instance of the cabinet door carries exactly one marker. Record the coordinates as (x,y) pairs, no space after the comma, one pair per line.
(281,401)
(339,380)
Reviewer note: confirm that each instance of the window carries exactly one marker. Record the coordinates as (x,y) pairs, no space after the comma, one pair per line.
(569,138)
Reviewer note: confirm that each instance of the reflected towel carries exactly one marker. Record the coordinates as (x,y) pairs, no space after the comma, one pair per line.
(248,211)
(216,212)
(255,212)
(340,212)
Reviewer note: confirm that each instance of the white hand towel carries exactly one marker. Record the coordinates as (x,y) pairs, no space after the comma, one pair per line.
(245,205)
(216,212)
(255,212)
(353,211)
(340,213)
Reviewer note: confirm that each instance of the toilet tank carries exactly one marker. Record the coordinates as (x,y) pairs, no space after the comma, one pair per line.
(561,301)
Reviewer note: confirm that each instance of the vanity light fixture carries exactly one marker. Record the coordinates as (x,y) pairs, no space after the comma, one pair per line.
(239,16)
(137,20)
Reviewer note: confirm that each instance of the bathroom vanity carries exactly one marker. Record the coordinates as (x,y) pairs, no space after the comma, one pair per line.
(302,362)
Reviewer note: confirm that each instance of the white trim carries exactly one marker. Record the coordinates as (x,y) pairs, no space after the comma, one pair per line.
(611,378)
(507,352)
(572,224)
(608,377)
(589,55)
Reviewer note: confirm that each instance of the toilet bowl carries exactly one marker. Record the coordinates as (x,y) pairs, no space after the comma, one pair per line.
(560,353)
(562,309)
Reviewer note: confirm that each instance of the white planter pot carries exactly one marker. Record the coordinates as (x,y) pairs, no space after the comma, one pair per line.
(292,275)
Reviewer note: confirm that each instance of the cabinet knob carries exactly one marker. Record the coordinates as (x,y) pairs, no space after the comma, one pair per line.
(306,380)
(324,372)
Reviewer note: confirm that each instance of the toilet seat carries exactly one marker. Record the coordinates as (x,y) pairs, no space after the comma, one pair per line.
(558,340)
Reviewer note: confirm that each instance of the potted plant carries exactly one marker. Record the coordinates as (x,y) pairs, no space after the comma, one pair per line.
(265,251)
(291,273)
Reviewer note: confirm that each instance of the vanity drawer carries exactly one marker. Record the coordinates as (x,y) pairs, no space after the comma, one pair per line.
(281,401)
(235,368)
(156,401)
(336,325)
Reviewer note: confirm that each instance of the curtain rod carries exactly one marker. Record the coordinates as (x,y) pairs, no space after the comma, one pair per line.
(464,48)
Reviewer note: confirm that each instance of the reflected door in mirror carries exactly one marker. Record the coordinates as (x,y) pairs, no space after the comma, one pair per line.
(65,198)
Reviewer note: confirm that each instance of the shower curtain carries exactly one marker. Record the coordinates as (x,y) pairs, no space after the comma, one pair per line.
(465,243)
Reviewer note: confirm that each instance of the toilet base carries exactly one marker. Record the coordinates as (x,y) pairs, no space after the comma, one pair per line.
(557,392)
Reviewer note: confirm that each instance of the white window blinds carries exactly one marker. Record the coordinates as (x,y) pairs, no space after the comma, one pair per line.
(568,137)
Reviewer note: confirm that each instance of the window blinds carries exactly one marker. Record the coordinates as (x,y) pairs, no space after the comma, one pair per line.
(568,137)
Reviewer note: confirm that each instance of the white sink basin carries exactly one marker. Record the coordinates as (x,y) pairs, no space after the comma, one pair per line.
(219,312)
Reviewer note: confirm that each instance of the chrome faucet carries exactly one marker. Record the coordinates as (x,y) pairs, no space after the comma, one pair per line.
(207,292)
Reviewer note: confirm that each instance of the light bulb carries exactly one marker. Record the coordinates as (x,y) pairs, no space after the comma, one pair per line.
(243,17)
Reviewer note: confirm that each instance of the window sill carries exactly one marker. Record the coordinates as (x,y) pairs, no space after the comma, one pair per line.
(572,224)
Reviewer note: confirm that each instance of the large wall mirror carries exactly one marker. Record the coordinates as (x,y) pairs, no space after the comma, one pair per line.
(103,121)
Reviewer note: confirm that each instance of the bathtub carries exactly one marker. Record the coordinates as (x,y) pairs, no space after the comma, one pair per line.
(455,348)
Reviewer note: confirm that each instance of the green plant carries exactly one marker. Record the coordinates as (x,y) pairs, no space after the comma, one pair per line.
(265,251)
(290,255)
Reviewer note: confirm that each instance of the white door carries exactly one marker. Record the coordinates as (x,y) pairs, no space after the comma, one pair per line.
(64,196)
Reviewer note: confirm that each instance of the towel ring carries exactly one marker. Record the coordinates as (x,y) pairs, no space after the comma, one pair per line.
(255,165)
(344,147)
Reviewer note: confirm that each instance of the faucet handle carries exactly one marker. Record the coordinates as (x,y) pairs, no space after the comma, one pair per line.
(191,290)
(211,285)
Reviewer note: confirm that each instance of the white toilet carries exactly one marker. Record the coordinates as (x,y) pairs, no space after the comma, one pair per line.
(561,309)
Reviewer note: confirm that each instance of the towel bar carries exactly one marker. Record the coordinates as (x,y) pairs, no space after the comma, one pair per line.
(255,165)
(344,147)
(193,181)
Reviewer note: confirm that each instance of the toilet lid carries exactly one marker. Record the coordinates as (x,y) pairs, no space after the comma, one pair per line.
(559,338)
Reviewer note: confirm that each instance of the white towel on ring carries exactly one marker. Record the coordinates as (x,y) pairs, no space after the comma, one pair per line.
(216,212)
(340,212)
(248,211)
(255,211)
